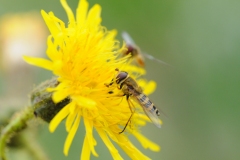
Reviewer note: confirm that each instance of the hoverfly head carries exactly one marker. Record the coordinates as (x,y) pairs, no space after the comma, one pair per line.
(121,77)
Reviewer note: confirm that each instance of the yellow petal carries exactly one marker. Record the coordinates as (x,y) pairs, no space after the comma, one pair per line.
(69,12)
(59,95)
(93,18)
(82,12)
(91,141)
(130,149)
(71,135)
(59,117)
(85,102)
(52,25)
(52,52)
(59,24)
(150,87)
(85,150)
(146,143)
(70,119)
(40,62)
(108,143)
(111,34)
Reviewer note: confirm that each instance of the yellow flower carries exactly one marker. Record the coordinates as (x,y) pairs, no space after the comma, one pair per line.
(84,56)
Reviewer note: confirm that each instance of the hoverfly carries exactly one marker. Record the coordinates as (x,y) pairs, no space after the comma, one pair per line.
(131,89)
(136,52)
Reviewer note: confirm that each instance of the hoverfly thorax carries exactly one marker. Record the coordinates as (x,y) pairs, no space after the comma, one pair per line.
(131,50)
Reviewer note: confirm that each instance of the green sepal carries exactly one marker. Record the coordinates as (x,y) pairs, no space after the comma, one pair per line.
(41,99)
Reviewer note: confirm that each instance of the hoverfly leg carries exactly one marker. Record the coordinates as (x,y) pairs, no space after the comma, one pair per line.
(126,124)
(110,92)
(112,81)
(132,105)
(132,112)
(121,99)
(109,84)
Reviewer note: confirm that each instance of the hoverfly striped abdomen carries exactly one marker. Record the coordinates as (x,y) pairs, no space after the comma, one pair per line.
(146,102)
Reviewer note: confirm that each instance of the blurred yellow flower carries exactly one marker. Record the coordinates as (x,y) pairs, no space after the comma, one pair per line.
(21,33)
(84,56)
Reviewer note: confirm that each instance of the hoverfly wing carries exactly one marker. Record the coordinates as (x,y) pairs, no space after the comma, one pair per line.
(148,107)
(128,39)
(152,116)
(148,56)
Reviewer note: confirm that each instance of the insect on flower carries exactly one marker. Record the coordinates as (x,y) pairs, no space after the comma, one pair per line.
(136,52)
(132,90)
(82,61)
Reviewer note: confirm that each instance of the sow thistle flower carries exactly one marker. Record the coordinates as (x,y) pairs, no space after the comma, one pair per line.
(84,56)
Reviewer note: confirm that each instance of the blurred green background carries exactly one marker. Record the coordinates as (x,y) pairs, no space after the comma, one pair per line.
(200,94)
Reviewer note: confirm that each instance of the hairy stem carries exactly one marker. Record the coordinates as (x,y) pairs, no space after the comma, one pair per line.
(17,123)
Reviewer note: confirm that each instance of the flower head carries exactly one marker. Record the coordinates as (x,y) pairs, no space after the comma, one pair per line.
(84,56)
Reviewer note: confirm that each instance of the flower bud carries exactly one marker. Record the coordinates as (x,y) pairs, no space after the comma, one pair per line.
(41,100)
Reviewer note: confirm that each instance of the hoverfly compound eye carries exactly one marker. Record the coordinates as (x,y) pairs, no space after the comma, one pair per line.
(121,76)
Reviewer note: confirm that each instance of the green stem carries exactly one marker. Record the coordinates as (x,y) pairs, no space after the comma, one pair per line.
(32,146)
(17,123)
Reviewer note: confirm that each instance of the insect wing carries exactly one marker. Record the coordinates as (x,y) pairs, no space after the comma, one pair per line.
(150,113)
(148,56)
(129,41)
(152,116)
(127,38)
